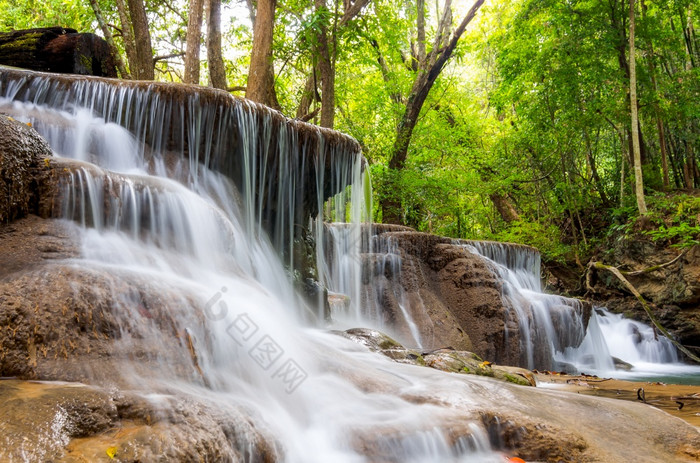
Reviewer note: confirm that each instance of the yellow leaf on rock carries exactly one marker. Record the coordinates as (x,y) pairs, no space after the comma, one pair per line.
(112,452)
(484,364)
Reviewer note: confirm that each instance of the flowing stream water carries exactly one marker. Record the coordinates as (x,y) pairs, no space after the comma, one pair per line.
(162,210)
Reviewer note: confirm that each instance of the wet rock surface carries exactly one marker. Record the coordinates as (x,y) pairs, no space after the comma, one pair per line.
(67,322)
(455,298)
(32,242)
(73,422)
(21,152)
(448,360)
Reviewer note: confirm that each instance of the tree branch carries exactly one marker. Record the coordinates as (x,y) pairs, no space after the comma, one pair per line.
(656,267)
(352,11)
(164,57)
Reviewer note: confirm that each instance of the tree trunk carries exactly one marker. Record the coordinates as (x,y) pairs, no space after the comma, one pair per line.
(308,96)
(144,51)
(55,49)
(659,122)
(127,35)
(193,42)
(261,74)
(326,70)
(504,207)
(419,92)
(638,179)
(594,170)
(217,70)
(110,40)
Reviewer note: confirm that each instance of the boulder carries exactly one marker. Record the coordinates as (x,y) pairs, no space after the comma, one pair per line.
(21,153)
(57,49)
(454,295)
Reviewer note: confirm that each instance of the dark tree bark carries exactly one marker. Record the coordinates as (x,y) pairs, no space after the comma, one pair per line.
(193,42)
(56,49)
(428,73)
(142,68)
(308,96)
(326,53)
(217,71)
(261,74)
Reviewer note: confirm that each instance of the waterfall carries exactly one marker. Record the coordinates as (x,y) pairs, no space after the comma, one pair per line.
(191,201)
(355,263)
(546,323)
(552,329)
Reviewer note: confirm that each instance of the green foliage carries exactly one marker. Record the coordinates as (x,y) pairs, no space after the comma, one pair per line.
(533,108)
(678,219)
(29,14)
(682,236)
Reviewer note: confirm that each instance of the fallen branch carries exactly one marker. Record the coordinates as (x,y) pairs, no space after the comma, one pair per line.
(615,271)
(656,267)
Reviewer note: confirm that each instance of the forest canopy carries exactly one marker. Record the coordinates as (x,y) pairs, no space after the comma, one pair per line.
(544,122)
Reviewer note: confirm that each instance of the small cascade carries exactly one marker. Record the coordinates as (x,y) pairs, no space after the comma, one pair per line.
(554,332)
(187,204)
(546,324)
(613,341)
(367,267)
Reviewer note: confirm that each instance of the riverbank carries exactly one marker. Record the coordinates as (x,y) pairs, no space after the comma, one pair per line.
(667,397)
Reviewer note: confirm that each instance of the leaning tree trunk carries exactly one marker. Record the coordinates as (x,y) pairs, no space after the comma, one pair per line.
(427,75)
(56,49)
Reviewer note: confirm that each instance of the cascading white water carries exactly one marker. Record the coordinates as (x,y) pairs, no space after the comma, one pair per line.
(347,252)
(546,323)
(179,228)
(607,336)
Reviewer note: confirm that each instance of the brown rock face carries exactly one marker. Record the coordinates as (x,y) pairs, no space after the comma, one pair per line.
(454,296)
(64,322)
(457,299)
(72,422)
(21,150)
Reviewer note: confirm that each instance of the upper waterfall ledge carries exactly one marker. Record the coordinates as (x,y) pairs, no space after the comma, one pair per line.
(265,153)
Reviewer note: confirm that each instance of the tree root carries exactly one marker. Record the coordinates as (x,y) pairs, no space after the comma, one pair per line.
(615,271)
